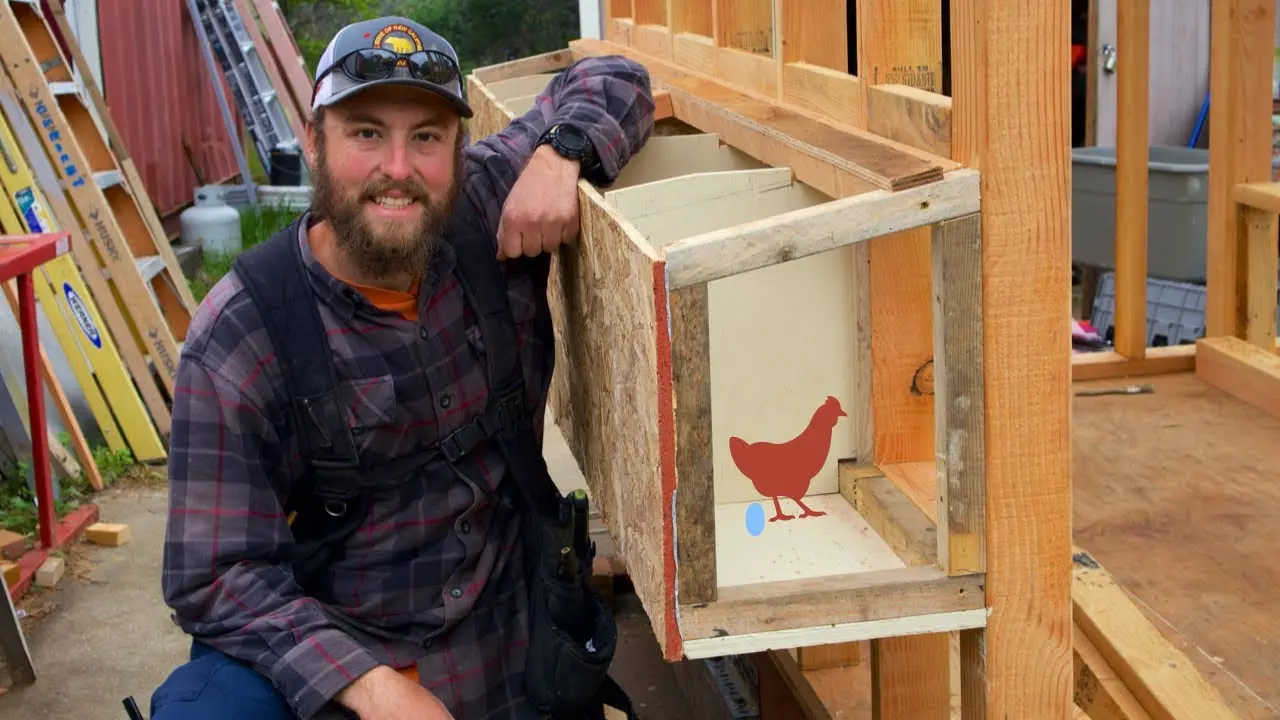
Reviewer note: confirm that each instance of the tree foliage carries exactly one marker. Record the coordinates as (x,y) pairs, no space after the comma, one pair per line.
(482,31)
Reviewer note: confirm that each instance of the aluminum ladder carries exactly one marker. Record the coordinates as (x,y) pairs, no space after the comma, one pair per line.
(222,30)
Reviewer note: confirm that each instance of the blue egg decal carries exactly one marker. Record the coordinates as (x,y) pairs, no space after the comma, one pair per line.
(755,519)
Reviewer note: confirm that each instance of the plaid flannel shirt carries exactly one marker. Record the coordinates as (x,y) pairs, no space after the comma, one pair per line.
(437,557)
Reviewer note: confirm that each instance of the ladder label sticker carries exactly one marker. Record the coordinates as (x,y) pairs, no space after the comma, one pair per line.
(55,137)
(37,220)
(82,315)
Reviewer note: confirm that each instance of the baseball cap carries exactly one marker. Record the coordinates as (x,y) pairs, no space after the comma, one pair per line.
(388,51)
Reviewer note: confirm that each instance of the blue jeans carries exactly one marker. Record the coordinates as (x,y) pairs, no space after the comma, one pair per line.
(214,686)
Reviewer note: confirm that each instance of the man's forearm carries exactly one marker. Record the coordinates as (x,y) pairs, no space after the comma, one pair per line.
(608,98)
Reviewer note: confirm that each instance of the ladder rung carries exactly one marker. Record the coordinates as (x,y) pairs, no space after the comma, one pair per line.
(108,178)
(64,87)
(150,266)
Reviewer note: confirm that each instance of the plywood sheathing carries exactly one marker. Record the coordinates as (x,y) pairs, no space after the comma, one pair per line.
(618,280)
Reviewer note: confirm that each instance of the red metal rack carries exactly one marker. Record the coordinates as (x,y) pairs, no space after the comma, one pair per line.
(20,255)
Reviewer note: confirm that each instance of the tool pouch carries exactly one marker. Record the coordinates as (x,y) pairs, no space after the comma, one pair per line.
(572,637)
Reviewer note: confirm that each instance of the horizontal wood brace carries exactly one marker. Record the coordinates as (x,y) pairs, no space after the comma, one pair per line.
(1263,196)
(836,600)
(836,633)
(794,235)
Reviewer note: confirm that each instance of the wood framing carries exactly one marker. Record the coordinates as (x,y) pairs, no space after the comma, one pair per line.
(954,365)
(1123,666)
(1244,362)
(1241,43)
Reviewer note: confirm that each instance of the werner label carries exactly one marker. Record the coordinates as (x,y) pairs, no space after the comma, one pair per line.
(81,314)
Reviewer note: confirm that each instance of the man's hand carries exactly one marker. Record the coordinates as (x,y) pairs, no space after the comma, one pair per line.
(384,694)
(541,211)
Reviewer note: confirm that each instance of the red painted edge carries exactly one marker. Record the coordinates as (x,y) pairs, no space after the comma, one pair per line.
(69,527)
(673,645)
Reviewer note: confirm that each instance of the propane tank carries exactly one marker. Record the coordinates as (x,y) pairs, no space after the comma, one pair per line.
(211,224)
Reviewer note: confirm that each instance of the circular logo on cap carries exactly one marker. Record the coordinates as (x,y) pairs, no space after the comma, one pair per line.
(398,38)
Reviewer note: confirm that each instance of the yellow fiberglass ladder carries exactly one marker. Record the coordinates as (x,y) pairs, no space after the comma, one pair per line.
(71,309)
(139,259)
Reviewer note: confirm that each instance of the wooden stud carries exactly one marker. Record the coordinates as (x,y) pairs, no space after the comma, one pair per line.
(958,394)
(1011,81)
(1241,44)
(1134,24)
(1241,369)
(1259,306)
(1160,677)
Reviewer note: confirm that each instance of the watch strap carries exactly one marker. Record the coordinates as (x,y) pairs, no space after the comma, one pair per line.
(562,139)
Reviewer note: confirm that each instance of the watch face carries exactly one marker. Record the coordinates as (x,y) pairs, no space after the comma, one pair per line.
(570,138)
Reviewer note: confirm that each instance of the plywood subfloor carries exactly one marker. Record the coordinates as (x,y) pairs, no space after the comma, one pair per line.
(1177,494)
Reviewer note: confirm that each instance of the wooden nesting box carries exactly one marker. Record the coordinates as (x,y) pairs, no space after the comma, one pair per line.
(712,374)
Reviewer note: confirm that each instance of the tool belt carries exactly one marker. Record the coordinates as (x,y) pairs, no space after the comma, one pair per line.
(572,635)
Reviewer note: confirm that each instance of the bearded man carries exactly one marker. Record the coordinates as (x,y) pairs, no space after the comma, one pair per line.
(346,518)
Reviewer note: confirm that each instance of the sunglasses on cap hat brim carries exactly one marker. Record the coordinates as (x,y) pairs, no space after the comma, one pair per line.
(371,64)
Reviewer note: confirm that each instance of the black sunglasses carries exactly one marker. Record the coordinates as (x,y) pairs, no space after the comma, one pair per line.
(368,64)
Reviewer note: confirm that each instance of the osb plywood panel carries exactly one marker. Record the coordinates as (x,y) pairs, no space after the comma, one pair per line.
(608,302)
(1176,496)
(607,313)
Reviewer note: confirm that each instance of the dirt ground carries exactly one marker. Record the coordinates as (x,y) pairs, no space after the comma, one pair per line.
(104,632)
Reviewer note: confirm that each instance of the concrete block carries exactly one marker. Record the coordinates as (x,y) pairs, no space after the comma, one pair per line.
(50,571)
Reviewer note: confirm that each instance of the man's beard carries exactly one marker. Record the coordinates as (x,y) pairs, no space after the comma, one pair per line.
(393,250)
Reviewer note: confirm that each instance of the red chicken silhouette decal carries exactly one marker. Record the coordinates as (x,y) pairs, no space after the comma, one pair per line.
(779,470)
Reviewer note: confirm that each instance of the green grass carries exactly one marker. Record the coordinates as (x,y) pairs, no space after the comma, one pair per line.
(257,223)
(17,502)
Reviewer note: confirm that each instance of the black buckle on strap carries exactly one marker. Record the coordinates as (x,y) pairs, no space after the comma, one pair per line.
(458,443)
(503,412)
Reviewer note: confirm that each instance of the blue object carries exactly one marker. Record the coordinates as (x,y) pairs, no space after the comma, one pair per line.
(755,519)
(213,686)
(1204,113)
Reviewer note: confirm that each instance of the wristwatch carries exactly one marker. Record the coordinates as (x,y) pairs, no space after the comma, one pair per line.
(571,143)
